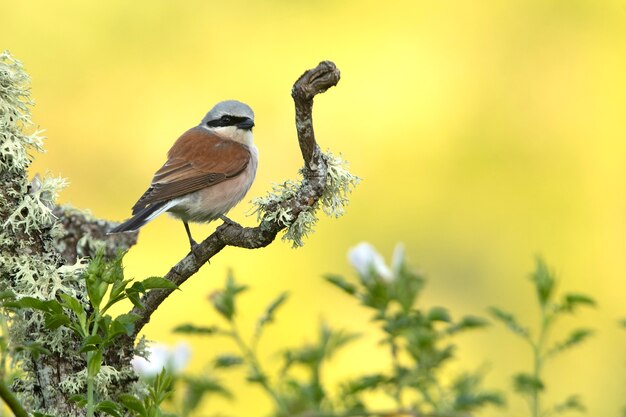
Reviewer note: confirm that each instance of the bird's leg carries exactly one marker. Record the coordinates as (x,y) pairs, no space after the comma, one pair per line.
(192,242)
(228,221)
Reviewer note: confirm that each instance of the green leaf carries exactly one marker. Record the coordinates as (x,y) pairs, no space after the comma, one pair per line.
(79,399)
(104,324)
(573,300)
(197,330)
(256,376)
(367,382)
(90,343)
(94,362)
(439,314)
(224,301)
(544,282)
(467,323)
(133,404)
(116,328)
(572,403)
(96,291)
(124,323)
(128,318)
(509,321)
(340,282)
(117,292)
(73,304)
(162,387)
(47,306)
(268,316)
(227,361)
(134,298)
(109,407)
(119,287)
(527,384)
(158,283)
(575,338)
(53,320)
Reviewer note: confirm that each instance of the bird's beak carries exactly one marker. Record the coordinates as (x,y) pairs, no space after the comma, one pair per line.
(246,124)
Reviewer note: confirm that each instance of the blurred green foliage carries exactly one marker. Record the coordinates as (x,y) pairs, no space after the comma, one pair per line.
(532,384)
(419,341)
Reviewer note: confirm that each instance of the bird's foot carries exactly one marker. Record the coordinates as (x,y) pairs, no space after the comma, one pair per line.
(195,248)
(229,221)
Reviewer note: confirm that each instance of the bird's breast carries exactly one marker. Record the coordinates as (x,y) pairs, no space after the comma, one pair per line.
(209,203)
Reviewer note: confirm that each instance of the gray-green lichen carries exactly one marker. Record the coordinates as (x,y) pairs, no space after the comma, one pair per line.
(15,117)
(31,263)
(339,184)
(108,377)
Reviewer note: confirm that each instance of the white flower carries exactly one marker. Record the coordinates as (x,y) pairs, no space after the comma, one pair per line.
(161,356)
(364,258)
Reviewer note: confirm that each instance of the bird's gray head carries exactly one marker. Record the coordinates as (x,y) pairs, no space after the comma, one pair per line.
(230,113)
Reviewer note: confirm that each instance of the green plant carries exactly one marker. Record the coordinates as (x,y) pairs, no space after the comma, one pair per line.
(89,322)
(532,384)
(419,342)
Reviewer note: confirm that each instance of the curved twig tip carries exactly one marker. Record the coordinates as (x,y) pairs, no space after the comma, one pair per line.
(316,81)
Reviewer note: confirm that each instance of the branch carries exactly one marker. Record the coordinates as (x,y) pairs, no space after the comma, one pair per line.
(311,83)
(83,235)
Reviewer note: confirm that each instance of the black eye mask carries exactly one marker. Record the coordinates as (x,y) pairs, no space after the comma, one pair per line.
(231,121)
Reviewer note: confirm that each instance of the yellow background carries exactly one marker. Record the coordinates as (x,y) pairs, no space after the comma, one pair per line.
(485,132)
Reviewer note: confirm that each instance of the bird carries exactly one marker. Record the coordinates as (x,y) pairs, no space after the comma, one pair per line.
(209,169)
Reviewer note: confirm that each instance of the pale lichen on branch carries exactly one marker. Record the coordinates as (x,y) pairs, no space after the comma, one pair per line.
(339,184)
(33,262)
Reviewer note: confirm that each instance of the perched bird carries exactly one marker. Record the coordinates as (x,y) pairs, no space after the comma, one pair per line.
(208,171)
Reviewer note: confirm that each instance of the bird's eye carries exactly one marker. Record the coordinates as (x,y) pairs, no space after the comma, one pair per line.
(226,120)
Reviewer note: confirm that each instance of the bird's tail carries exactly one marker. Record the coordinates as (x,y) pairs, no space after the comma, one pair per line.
(142,217)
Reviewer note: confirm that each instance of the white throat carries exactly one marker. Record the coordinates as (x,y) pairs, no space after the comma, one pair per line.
(233,133)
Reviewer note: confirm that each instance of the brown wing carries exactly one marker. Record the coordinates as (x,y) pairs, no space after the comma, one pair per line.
(198,159)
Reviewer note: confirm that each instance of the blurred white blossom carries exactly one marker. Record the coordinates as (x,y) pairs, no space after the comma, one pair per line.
(174,359)
(364,259)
